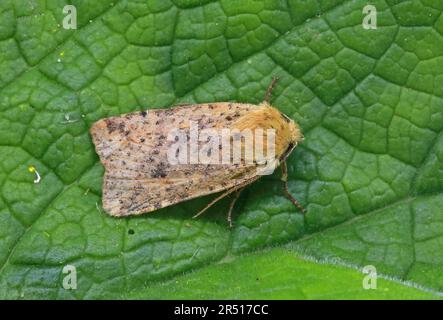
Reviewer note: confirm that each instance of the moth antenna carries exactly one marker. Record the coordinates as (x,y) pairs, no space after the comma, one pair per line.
(284,178)
(269,90)
(231,206)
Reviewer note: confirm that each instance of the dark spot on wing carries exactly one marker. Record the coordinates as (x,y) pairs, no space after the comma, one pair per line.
(159,171)
(121,127)
(111,125)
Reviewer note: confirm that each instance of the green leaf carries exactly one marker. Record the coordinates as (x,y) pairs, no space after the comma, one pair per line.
(279,274)
(370,171)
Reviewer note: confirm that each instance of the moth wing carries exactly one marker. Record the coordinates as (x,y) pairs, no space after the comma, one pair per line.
(134,151)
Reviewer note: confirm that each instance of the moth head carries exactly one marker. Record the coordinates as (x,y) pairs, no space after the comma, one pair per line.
(265,116)
(289,134)
(294,137)
(293,130)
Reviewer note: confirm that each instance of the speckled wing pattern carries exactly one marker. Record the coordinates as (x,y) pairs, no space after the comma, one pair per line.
(138,176)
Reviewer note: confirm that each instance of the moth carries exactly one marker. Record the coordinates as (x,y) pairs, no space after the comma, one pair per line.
(139,151)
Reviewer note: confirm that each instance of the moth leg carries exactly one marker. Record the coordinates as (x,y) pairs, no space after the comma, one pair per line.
(224,194)
(284,178)
(210,204)
(269,90)
(231,206)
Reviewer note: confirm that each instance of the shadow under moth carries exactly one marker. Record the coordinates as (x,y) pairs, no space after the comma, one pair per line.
(157,158)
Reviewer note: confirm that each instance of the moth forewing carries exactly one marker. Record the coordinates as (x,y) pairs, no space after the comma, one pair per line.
(165,156)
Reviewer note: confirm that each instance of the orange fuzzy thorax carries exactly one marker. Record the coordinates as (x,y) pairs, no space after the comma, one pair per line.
(268,117)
